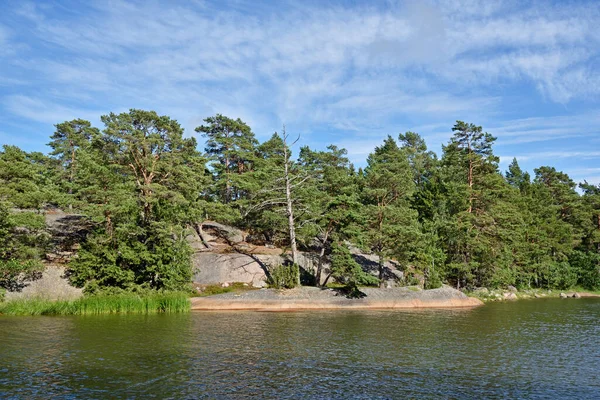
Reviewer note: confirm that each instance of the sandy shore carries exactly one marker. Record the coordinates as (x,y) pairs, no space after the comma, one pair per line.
(310,298)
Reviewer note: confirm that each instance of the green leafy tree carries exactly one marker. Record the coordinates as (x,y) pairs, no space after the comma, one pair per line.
(145,180)
(516,177)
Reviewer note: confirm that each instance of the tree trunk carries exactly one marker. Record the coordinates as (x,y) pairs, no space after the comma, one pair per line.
(381,280)
(470,180)
(321,257)
(71,177)
(202,236)
(289,204)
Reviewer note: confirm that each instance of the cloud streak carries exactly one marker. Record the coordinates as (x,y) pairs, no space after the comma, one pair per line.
(331,71)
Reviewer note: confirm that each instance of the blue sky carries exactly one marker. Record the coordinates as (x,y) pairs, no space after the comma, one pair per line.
(341,72)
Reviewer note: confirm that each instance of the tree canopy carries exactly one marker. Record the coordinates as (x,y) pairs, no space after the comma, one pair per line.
(141,185)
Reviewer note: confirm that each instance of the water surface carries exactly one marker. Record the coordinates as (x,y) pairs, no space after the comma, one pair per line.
(527,349)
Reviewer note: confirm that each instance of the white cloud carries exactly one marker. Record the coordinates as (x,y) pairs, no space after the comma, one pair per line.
(44,111)
(356,69)
(554,155)
(530,130)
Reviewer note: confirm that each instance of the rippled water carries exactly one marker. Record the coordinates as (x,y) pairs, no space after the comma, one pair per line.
(525,349)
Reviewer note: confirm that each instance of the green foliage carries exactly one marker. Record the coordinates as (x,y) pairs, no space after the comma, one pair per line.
(587,267)
(230,145)
(346,270)
(432,280)
(21,244)
(139,181)
(284,277)
(13,272)
(124,303)
(211,290)
(352,291)
(25,179)
(390,227)
(140,184)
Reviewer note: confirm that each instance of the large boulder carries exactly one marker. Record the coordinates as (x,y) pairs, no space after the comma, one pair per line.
(370,263)
(215,230)
(510,296)
(253,269)
(52,285)
(215,268)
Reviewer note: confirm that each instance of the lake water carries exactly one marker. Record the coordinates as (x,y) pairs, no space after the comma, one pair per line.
(525,349)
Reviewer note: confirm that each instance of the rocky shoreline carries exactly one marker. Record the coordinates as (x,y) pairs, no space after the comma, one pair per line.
(311,298)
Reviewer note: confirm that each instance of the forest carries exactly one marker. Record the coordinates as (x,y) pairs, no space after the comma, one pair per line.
(141,185)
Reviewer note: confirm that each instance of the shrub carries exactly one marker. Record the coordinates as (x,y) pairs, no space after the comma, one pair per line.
(346,270)
(284,277)
(587,267)
(432,279)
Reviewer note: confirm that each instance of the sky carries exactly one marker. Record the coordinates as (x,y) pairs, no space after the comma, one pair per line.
(347,73)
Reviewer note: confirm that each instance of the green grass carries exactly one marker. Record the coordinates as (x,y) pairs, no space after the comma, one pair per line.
(174,302)
(211,290)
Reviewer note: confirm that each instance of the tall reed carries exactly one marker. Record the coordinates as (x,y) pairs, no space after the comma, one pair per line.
(168,302)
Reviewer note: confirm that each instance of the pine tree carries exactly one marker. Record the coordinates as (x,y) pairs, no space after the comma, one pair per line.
(144,180)
(391,228)
(69,138)
(231,147)
(331,200)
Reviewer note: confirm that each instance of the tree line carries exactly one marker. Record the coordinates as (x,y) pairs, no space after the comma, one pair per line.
(141,186)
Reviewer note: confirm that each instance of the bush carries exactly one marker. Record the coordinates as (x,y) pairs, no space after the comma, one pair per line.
(284,277)
(559,275)
(587,266)
(432,279)
(347,271)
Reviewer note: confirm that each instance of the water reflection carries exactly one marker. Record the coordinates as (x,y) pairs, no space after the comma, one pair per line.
(536,349)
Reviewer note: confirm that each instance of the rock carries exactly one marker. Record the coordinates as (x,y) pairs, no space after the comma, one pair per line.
(563,295)
(512,289)
(510,296)
(576,295)
(260,284)
(370,263)
(225,284)
(215,268)
(195,241)
(481,290)
(229,233)
(537,296)
(52,285)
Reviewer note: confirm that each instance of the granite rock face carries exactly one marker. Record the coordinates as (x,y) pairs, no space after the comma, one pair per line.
(52,285)
(253,269)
